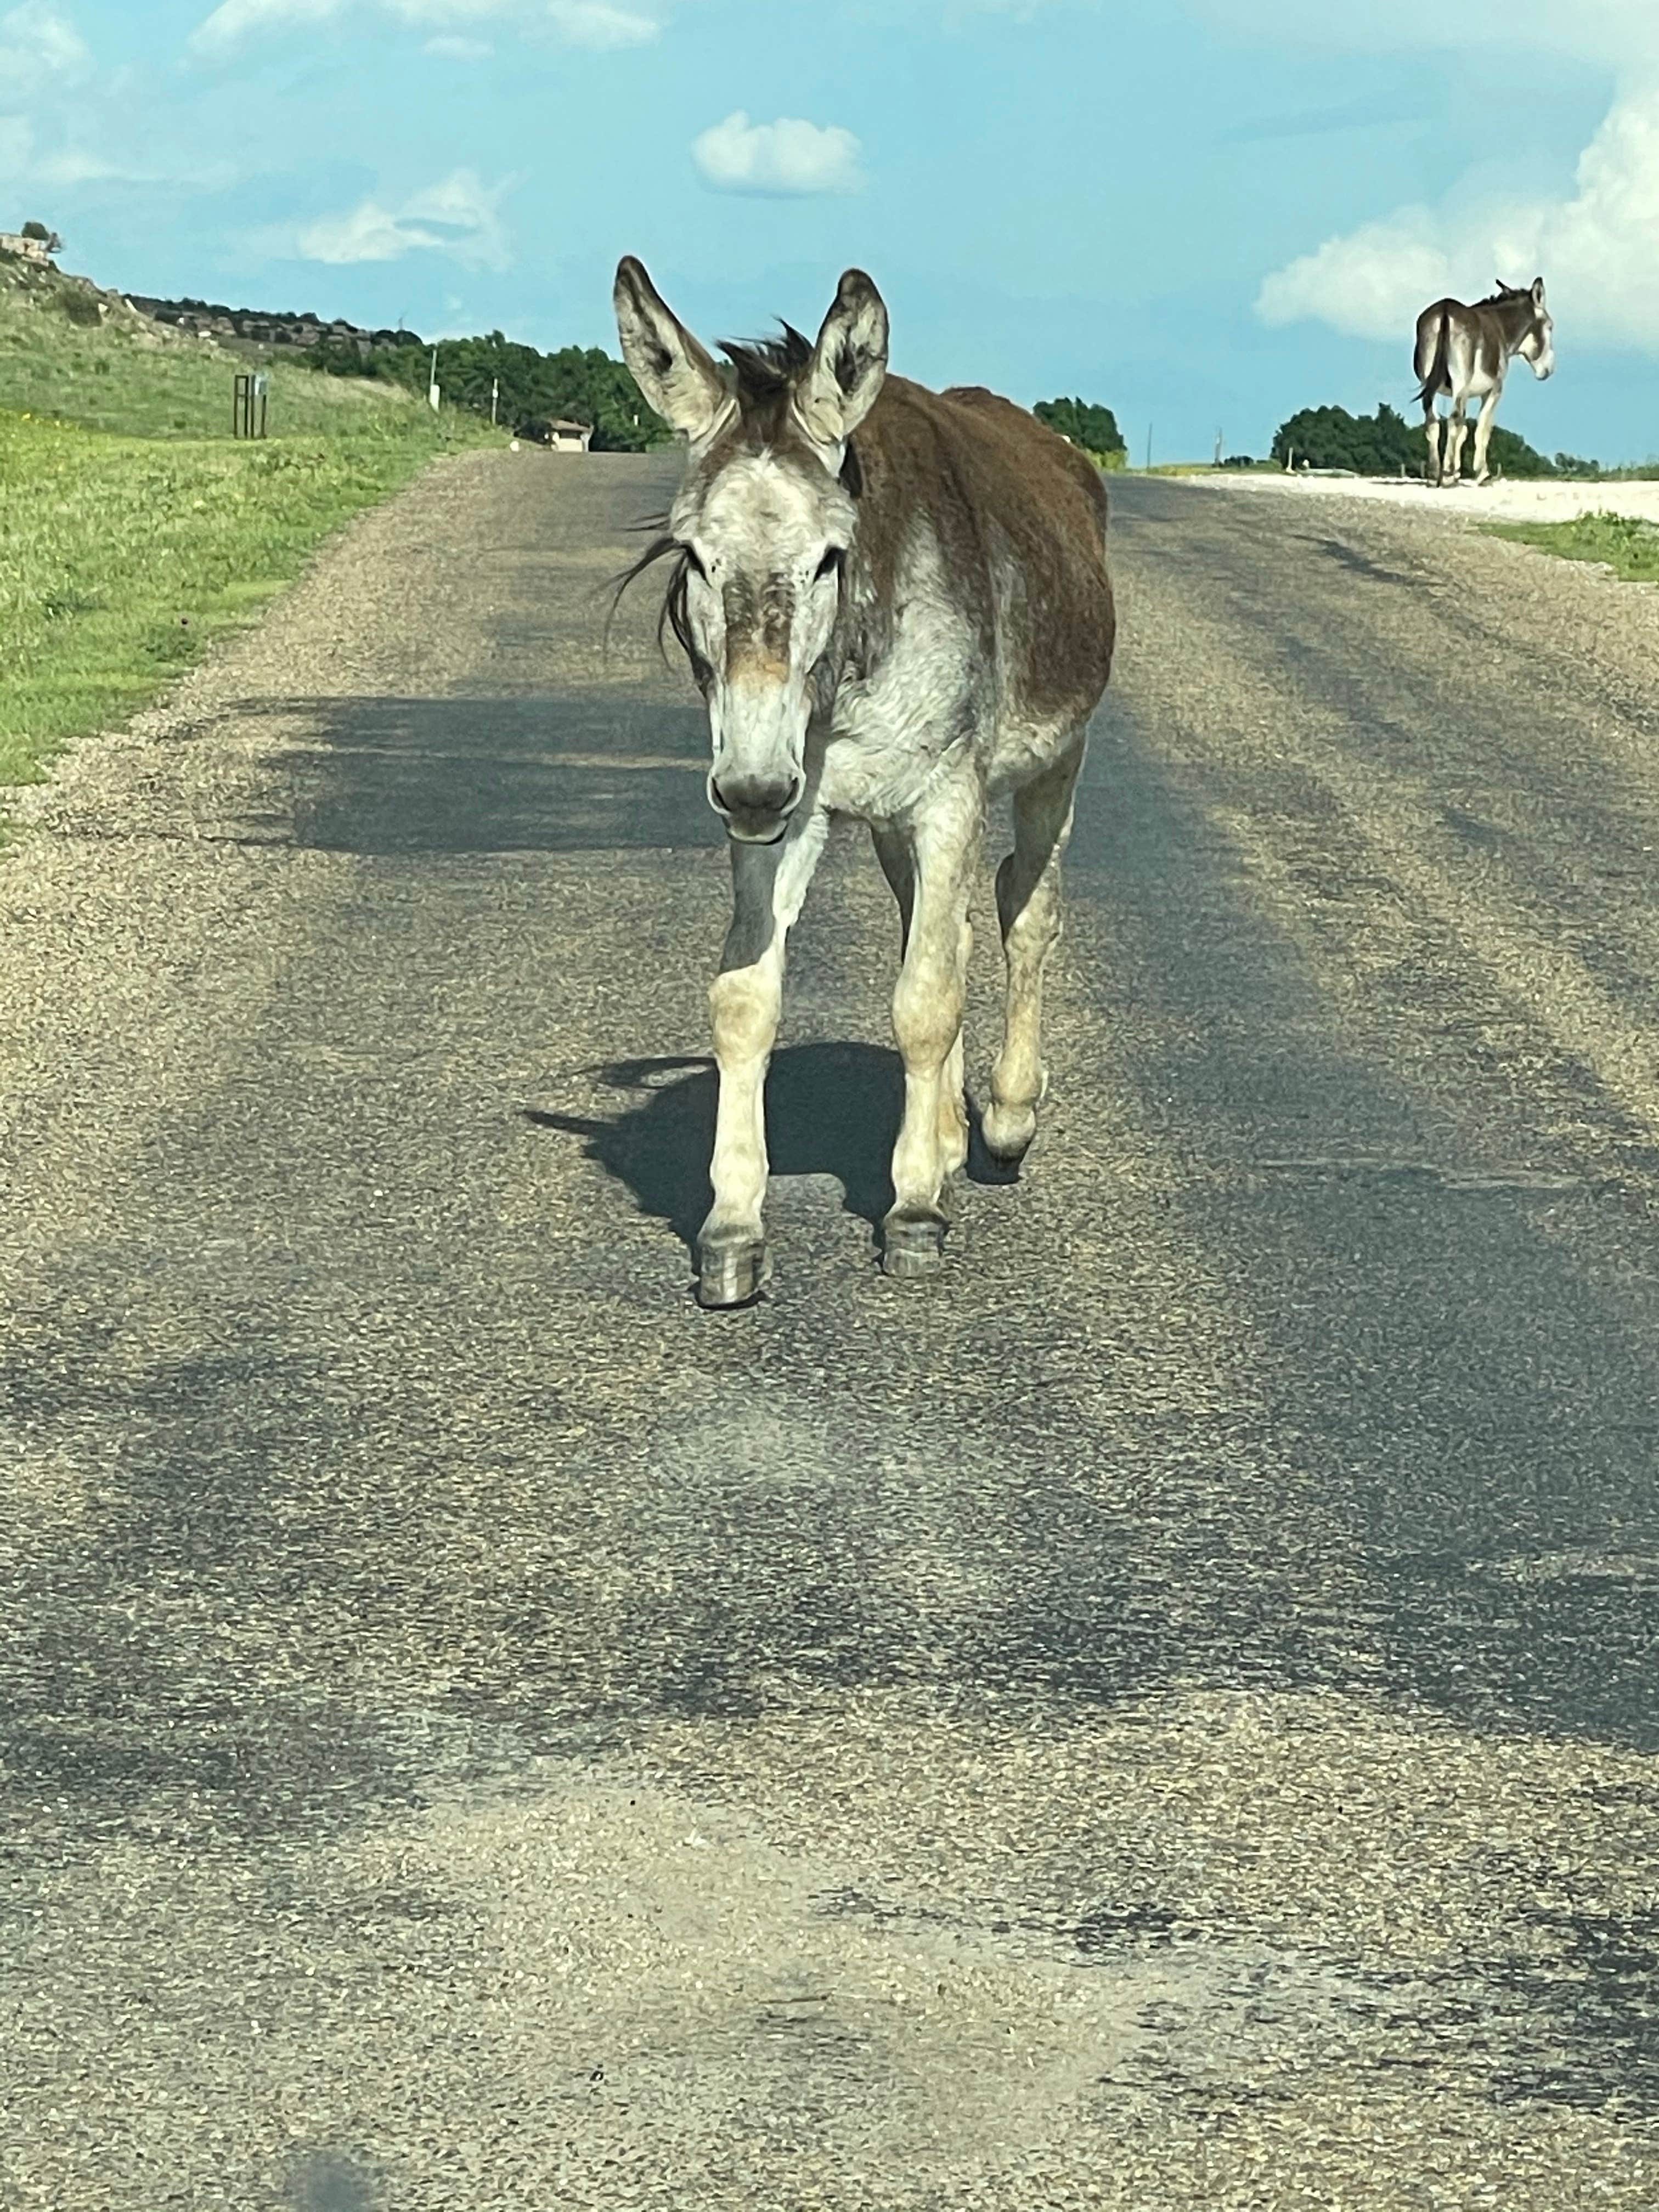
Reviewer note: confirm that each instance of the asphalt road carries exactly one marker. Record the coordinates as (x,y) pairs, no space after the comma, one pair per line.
(1164,1717)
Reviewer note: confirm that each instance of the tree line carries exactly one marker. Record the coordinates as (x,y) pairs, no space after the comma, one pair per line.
(576,384)
(584,384)
(1384,443)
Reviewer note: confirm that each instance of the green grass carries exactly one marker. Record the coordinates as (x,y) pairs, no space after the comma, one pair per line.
(133,529)
(1629,548)
(121,558)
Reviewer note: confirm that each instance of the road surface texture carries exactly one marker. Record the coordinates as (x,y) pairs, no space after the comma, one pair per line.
(1164,1718)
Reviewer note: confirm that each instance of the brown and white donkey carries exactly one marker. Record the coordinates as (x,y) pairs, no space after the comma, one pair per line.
(896,603)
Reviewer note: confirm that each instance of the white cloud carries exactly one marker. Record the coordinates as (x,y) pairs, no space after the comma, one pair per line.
(40,47)
(1371,284)
(460,217)
(599,24)
(84,125)
(234,21)
(596,24)
(1595,250)
(784,157)
(460,49)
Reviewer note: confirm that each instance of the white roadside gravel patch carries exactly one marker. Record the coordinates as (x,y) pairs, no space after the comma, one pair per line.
(1499,502)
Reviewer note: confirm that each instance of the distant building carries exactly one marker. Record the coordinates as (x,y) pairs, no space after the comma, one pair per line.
(25,249)
(569,437)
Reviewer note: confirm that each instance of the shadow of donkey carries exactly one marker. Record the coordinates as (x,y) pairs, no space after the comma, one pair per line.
(831,1109)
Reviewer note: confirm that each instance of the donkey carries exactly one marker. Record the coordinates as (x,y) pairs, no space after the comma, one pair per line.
(1464,353)
(896,605)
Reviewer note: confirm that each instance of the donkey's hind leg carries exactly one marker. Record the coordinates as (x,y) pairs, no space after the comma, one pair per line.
(1027,905)
(943,845)
(894,853)
(1457,429)
(1432,432)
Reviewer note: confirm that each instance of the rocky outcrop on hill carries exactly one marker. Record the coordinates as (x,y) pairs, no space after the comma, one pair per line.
(256,326)
(31,282)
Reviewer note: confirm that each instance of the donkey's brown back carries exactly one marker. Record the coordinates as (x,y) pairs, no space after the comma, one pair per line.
(1020,516)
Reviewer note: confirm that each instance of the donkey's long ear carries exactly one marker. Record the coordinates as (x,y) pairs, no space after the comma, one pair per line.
(838,386)
(676,374)
(1538,291)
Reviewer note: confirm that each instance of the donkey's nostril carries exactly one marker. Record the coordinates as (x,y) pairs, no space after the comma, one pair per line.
(756,796)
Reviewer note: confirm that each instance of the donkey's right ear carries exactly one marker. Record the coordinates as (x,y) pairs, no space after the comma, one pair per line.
(677,375)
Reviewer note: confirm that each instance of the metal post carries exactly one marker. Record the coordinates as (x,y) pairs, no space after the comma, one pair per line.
(495,399)
(1148,445)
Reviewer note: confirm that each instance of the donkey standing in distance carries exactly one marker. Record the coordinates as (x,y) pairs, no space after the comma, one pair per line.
(1464,352)
(896,603)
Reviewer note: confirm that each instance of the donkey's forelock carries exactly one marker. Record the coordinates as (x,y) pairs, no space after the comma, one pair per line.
(767,373)
(766,367)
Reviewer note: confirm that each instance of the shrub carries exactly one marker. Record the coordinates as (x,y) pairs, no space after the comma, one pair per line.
(1084,422)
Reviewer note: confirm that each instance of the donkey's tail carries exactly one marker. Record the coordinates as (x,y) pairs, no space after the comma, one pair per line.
(1433,339)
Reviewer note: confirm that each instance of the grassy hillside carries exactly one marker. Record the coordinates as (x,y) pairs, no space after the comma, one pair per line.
(70,351)
(133,528)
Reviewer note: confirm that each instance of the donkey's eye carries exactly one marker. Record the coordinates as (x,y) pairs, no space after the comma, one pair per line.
(832,564)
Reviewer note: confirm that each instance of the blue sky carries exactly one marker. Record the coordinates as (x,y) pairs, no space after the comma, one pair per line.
(1205,215)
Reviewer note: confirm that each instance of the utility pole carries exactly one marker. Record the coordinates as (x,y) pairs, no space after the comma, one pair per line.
(432,382)
(1221,441)
(1148,445)
(494,397)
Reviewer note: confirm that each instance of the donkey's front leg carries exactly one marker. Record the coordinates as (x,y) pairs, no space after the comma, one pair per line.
(769,885)
(927,1008)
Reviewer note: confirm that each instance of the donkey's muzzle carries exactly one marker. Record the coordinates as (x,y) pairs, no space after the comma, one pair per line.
(756,808)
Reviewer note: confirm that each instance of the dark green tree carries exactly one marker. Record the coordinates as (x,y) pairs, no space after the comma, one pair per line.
(1084,421)
(1380,444)
(49,238)
(1511,454)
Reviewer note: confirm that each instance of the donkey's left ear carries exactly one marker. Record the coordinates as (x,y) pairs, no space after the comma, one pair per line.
(838,386)
(1538,291)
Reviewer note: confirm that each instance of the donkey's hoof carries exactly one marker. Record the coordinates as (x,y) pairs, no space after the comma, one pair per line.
(912,1246)
(1008,1132)
(733,1275)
